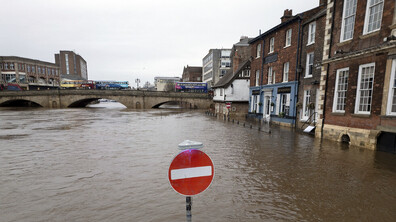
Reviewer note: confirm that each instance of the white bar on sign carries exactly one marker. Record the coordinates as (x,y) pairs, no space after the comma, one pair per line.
(191,172)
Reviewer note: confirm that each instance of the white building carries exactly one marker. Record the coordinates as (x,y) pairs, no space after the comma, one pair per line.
(233,91)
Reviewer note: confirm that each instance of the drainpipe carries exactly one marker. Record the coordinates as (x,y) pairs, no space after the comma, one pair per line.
(296,73)
(327,70)
(262,72)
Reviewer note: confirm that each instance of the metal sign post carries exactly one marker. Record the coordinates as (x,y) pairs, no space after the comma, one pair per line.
(188,208)
(190,172)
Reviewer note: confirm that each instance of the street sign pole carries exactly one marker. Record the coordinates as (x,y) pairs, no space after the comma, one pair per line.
(188,208)
(190,172)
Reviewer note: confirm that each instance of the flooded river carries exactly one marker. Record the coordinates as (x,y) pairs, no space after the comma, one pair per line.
(111,164)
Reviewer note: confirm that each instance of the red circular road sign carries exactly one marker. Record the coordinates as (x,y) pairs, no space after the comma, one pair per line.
(191,172)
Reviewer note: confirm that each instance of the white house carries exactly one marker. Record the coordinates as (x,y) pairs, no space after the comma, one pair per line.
(231,93)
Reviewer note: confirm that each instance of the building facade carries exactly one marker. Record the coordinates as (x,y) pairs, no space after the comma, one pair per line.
(29,73)
(215,65)
(71,65)
(309,71)
(166,83)
(358,74)
(192,74)
(231,93)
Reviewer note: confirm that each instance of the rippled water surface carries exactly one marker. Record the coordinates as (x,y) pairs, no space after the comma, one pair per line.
(110,164)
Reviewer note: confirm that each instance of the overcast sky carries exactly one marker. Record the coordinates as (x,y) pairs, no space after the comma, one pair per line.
(127,39)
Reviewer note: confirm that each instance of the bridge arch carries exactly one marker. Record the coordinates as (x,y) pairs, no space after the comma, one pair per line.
(182,104)
(19,103)
(83,102)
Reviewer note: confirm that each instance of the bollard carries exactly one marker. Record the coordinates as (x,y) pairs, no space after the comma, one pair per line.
(251,126)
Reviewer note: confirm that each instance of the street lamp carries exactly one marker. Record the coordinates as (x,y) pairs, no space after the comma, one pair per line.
(137,81)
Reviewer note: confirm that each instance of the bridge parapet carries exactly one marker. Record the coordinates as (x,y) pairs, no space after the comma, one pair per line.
(135,99)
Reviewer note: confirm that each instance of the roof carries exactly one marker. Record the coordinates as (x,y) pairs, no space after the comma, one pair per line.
(17,58)
(193,69)
(293,19)
(229,76)
(316,16)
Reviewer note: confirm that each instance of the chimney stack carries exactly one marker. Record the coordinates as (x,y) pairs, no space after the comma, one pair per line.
(287,14)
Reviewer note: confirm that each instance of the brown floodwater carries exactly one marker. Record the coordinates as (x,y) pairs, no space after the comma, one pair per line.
(108,163)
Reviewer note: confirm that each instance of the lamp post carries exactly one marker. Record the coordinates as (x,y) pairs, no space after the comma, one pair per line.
(137,81)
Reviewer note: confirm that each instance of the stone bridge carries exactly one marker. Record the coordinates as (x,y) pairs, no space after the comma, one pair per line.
(134,99)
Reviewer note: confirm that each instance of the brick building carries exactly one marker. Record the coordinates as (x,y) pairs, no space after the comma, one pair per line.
(28,73)
(192,74)
(240,52)
(312,40)
(358,103)
(274,73)
(72,65)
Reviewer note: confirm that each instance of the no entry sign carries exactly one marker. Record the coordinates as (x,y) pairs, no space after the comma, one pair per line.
(191,172)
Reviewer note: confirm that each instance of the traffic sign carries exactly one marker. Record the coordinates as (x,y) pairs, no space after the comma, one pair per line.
(228,105)
(191,172)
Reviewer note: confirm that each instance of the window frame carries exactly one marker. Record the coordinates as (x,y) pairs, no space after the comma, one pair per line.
(258,51)
(343,22)
(336,90)
(272,45)
(270,77)
(392,90)
(358,90)
(305,108)
(307,64)
(285,75)
(311,33)
(367,18)
(257,78)
(288,36)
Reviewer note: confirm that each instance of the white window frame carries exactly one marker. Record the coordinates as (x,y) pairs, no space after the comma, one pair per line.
(307,74)
(270,72)
(367,17)
(257,77)
(258,51)
(288,38)
(358,91)
(311,33)
(344,18)
(286,72)
(272,45)
(285,104)
(306,102)
(337,89)
(392,90)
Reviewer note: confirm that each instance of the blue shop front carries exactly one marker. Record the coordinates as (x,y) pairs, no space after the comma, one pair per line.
(274,102)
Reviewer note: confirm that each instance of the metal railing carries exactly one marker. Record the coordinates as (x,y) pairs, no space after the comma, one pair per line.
(309,120)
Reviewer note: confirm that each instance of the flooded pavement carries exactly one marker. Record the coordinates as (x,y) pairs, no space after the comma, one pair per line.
(111,164)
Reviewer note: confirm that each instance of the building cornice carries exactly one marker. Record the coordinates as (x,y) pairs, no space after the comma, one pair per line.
(361,53)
